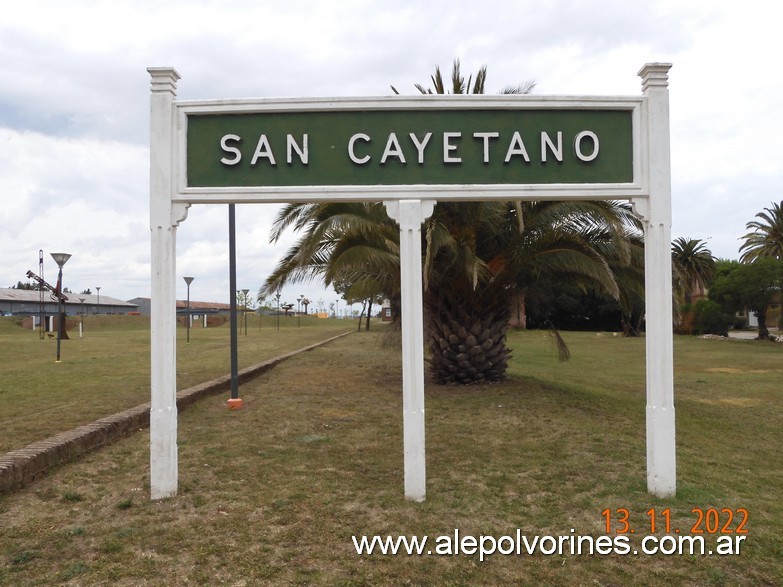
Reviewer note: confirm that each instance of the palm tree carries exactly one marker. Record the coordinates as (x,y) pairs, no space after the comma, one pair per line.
(353,246)
(482,256)
(478,258)
(627,265)
(460,86)
(766,240)
(693,266)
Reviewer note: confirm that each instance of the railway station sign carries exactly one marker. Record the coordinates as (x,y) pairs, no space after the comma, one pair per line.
(410,146)
(410,153)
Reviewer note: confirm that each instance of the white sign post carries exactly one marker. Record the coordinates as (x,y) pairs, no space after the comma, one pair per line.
(656,215)
(436,148)
(410,214)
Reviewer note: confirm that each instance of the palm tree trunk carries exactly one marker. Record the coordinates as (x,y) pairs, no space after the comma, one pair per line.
(466,338)
(518,311)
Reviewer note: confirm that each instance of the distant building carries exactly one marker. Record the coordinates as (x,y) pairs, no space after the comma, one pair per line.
(386,311)
(196,308)
(25,302)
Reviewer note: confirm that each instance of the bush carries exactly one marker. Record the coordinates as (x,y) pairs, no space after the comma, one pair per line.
(711,318)
(739,322)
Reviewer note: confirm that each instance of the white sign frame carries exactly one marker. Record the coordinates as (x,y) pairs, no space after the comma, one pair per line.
(410,205)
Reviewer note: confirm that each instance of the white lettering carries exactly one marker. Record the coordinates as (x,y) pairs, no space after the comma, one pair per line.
(547,549)
(443,545)
(420,145)
(291,146)
(557,150)
(448,147)
(263,150)
(509,541)
(228,149)
(485,136)
(352,142)
(393,149)
(468,545)
(726,545)
(516,147)
(578,145)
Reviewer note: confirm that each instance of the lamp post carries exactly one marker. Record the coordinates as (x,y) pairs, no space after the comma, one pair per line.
(98,309)
(299,311)
(81,325)
(244,306)
(188,280)
(60,259)
(277,297)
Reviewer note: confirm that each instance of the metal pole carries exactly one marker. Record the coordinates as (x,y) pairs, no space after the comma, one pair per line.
(81,330)
(60,259)
(187,323)
(278,311)
(244,307)
(60,311)
(188,281)
(234,401)
(41,308)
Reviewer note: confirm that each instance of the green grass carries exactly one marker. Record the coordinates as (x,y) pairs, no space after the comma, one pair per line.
(273,493)
(107,370)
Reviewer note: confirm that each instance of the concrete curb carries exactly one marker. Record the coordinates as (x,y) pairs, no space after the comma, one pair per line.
(22,466)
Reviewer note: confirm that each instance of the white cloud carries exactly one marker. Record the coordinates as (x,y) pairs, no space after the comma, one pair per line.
(74,107)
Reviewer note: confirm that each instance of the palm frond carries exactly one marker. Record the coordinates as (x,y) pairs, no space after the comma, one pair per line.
(523,88)
(766,240)
(563,352)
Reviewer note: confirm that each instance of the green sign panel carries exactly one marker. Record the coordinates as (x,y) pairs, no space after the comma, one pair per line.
(409,147)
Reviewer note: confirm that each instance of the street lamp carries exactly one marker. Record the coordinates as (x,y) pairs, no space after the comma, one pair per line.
(188,280)
(244,306)
(277,297)
(61,259)
(81,326)
(98,309)
(299,310)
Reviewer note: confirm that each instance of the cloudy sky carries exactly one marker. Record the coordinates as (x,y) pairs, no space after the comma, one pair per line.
(74,108)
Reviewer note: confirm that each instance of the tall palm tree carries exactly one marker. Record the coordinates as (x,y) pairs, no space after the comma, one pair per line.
(478,257)
(766,240)
(693,266)
(483,258)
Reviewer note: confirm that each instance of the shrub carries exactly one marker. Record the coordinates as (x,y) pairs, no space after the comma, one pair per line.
(711,318)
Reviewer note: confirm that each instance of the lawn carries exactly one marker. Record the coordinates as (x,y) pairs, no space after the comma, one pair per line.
(107,369)
(273,494)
